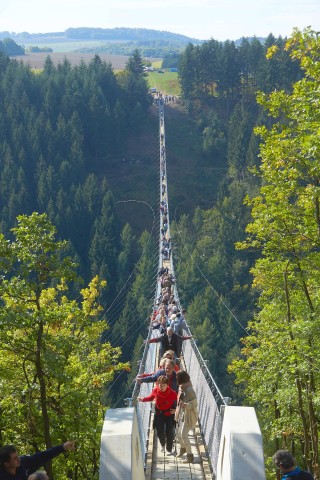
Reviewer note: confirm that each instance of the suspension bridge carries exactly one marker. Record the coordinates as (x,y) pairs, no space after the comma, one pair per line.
(226,442)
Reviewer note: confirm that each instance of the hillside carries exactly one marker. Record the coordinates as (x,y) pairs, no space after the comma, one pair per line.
(110,34)
(116,41)
(187,169)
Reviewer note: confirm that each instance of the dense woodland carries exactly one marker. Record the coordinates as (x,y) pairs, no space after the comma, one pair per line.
(245,269)
(266,289)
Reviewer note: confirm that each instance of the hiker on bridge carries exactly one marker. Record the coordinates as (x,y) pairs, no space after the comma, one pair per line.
(178,323)
(169,355)
(165,400)
(162,365)
(162,324)
(186,414)
(171,341)
(168,371)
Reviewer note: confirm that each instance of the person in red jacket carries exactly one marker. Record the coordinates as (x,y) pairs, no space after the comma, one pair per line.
(165,399)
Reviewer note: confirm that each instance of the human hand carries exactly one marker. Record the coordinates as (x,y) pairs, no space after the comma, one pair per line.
(67,446)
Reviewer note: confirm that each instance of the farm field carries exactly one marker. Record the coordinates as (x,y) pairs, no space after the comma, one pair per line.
(36,60)
(166,82)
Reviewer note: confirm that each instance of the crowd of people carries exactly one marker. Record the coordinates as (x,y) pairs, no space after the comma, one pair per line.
(158,97)
(176,408)
(175,400)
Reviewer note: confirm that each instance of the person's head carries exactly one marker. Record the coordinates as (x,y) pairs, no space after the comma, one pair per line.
(163,383)
(169,367)
(182,377)
(9,458)
(40,475)
(284,460)
(169,354)
(170,331)
(162,362)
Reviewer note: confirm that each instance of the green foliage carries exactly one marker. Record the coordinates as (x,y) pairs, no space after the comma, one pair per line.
(133,81)
(226,71)
(57,128)
(139,300)
(10,48)
(53,366)
(213,278)
(282,346)
(126,256)
(38,49)
(171,61)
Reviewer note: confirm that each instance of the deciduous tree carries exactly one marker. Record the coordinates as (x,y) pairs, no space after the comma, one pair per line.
(280,367)
(53,366)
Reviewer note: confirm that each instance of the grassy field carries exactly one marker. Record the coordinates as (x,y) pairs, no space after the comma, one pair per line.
(61,45)
(166,82)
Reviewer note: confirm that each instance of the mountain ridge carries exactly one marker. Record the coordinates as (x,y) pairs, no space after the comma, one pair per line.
(111,34)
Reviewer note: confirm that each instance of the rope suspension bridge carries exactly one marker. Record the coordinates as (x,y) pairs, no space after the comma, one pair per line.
(226,442)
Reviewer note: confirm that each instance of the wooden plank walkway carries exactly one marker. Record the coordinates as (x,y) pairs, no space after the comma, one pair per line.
(170,467)
(161,466)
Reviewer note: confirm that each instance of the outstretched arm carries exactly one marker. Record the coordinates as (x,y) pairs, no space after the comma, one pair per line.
(33,462)
(152,378)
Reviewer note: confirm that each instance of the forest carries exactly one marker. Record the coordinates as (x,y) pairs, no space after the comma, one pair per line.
(77,281)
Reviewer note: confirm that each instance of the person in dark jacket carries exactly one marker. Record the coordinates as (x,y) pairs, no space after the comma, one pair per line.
(285,462)
(14,467)
(165,400)
(170,341)
(168,371)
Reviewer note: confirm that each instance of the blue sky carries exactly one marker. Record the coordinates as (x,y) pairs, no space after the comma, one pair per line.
(202,19)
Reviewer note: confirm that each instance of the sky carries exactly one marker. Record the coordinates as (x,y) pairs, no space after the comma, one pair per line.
(200,19)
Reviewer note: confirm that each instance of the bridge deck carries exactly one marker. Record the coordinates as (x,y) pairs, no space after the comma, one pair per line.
(161,466)
(172,467)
